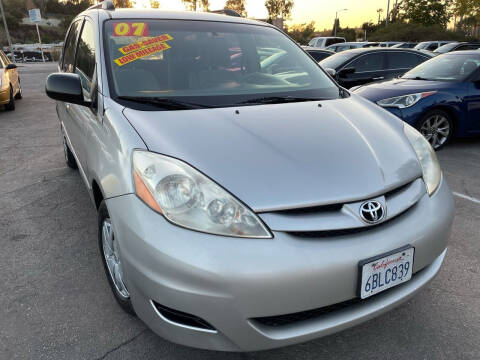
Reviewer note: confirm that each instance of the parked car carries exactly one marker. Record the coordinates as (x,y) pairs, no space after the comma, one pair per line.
(361,66)
(10,88)
(324,41)
(389,43)
(405,45)
(456,46)
(430,45)
(440,97)
(239,205)
(318,54)
(351,45)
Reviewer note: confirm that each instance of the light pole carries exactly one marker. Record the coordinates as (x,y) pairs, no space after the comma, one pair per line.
(6,28)
(336,19)
(388,13)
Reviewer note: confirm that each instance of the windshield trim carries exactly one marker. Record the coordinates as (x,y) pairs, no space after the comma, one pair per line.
(114,96)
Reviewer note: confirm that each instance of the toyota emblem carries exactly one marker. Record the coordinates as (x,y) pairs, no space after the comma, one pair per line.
(372,212)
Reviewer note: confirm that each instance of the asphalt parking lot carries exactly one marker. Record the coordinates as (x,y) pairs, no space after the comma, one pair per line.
(55,302)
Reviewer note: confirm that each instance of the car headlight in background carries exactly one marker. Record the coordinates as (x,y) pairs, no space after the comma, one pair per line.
(404,101)
(427,158)
(190,199)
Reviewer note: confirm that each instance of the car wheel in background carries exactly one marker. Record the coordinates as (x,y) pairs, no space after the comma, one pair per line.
(110,251)
(437,127)
(69,158)
(11,104)
(19,94)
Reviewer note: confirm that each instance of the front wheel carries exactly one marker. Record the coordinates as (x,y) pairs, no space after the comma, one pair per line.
(110,251)
(437,127)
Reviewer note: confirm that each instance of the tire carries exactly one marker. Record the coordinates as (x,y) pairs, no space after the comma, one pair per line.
(11,104)
(109,251)
(437,127)
(69,158)
(19,94)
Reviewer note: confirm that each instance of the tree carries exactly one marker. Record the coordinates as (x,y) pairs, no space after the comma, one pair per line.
(238,6)
(193,5)
(379,11)
(154,4)
(122,3)
(279,8)
(426,12)
(302,33)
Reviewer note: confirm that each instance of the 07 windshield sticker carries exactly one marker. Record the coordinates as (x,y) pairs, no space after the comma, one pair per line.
(130,29)
(126,59)
(145,43)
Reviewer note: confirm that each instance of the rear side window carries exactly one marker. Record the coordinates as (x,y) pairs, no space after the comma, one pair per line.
(70,44)
(432,46)
(333,41)
(403,60)
(369,62)
(86,56)
(318,56)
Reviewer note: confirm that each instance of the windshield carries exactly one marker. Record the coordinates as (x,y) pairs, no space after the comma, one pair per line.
(447,67)
(334,61)
(422,45)
(445,48)
(210,63)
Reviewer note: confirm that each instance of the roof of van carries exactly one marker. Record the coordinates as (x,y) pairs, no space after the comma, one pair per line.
(174,15)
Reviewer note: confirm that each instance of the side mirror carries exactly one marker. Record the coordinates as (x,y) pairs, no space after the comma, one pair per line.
(331,72)
(65,87)
(346,71)
(10,67)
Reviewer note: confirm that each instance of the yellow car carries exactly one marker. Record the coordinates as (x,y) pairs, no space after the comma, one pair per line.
(9,83)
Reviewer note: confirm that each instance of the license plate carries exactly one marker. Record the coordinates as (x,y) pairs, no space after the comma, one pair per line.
(385,271)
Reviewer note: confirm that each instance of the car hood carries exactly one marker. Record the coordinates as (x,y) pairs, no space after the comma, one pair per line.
(398,87)
(286,156)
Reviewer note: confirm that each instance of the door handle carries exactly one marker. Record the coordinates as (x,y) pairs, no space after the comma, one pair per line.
(379,78)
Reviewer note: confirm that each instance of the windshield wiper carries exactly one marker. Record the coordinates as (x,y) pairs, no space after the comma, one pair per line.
(169,104)
(415,78)
(278,100)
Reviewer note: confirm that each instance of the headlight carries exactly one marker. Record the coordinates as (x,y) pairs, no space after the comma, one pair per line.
(427,158)
(404,101)
(190,199)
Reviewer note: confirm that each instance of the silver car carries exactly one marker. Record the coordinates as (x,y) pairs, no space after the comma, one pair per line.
(245,201)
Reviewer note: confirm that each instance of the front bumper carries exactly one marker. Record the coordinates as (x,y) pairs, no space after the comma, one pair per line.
(230,281)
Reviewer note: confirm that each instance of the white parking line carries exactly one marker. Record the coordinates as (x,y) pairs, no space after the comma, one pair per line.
(466,197)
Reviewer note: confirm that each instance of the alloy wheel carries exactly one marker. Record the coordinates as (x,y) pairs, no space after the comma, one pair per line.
(112,258)
(436,130)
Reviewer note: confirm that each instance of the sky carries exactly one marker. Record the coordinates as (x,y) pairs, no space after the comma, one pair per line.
(304,11)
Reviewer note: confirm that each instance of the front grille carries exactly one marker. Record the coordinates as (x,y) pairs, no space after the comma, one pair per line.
(282,320)
(294,318)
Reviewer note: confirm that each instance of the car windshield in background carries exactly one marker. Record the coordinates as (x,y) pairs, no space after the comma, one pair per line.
(334,61)
(209,63)
(445,48)
(448,67)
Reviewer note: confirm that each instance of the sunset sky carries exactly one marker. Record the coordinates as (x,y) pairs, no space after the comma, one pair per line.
(320,11)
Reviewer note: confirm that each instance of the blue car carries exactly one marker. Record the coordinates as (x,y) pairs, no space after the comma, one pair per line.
(440,97)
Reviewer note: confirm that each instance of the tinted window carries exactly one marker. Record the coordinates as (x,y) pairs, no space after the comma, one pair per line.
(432,46)
(369,62)
(69,51)
(403,60)
(86,56)
(333,41)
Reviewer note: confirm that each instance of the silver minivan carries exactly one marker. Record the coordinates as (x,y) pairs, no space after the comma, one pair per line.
(245,201)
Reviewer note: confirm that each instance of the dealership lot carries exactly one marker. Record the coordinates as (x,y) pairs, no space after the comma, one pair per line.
(55,302)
